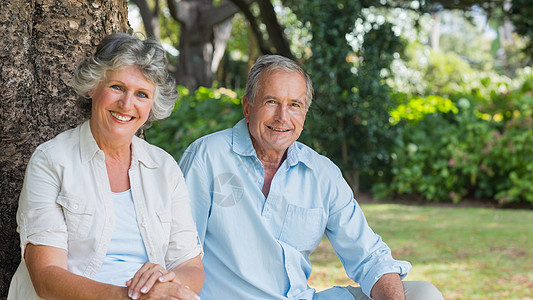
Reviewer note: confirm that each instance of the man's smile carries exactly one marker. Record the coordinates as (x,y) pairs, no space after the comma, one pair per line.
(277,129)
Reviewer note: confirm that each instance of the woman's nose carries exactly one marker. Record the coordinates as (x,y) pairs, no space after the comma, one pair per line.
(127,100)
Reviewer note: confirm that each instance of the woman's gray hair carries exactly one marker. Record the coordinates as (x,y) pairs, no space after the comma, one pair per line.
(269,63)
(118,51)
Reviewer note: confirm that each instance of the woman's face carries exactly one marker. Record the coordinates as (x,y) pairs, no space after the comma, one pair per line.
(121,103)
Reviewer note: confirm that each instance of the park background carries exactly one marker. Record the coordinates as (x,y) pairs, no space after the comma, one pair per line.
(425,105)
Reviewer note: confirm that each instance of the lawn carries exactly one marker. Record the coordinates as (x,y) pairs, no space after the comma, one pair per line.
(467,252)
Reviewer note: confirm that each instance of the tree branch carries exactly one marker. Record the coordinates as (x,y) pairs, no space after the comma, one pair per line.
(214,15)
(150,18)
(243,5)
(274,28)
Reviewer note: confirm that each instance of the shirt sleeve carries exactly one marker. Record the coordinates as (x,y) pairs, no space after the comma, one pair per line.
(364,255)
(40,219)
(184,243)
(196,178)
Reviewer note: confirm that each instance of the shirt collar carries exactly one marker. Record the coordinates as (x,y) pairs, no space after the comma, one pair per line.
(140,153)
(89,148)
(242,145)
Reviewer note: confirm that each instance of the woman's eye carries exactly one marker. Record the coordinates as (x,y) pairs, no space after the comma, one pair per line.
(142,95)
(116,87)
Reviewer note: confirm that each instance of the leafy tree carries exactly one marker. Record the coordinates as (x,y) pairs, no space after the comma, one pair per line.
(521,14)
(351,103)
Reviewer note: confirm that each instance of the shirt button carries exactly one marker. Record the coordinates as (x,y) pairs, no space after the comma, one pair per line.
(143,224)
(75,206)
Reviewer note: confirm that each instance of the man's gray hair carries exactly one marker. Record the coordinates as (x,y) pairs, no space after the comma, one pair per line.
(269,63)
(118,51)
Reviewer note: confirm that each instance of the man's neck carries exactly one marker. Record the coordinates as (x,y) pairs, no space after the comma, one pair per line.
(271,166)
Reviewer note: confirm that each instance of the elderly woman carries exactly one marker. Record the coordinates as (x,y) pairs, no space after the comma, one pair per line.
(102,213)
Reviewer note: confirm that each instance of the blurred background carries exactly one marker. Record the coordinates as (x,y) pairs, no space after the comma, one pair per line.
(425,105)
(431,100)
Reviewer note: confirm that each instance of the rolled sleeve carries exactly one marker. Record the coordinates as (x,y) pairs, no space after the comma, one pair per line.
(381,263)
(184,243)
(199,190)
(363,254)
(40,219)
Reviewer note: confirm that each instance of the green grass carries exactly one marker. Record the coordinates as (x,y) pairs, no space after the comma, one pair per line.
(468,253)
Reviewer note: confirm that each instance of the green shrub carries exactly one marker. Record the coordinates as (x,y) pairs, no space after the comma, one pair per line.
(447,152)
(438,157)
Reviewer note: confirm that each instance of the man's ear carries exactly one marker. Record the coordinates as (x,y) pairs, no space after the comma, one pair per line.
(245,108)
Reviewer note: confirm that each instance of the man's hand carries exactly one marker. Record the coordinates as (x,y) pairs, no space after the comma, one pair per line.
(389,287)
(170,290)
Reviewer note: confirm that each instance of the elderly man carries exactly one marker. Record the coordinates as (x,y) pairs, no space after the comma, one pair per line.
(263,201)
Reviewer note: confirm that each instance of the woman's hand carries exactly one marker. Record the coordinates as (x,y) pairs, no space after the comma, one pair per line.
(143,284)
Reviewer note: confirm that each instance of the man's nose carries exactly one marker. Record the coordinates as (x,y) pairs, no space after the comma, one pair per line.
(282,112)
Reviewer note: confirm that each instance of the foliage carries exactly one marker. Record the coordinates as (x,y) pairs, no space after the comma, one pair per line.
(417,108)
(196,114)
(473,44)
(423,71)
(522,18)
(436,124)
(466,252)
(462,152)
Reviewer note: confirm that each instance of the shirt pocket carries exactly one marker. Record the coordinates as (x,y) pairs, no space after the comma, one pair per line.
(78,215)
(302,227)
(165,221)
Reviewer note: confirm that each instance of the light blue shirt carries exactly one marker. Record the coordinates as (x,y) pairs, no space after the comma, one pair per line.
(126,253)
(257,248)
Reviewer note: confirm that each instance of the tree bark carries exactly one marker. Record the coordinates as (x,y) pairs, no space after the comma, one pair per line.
(42,41)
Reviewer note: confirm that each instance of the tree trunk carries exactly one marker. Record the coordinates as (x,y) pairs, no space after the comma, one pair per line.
(42,41)
(150,18)
(350,174)
(199,38)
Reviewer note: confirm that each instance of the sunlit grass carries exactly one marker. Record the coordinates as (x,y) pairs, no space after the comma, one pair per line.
(468,253)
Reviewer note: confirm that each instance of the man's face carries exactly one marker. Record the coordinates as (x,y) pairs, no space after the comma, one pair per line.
(276,118)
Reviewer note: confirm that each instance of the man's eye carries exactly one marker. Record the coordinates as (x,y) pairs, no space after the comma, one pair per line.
(296,105)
